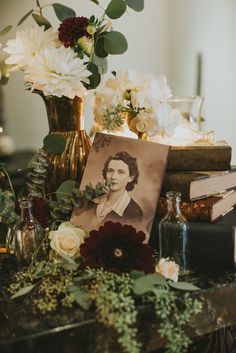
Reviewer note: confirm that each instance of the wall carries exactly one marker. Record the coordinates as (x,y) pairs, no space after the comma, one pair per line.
(207,27)
(146,34)
(165,38)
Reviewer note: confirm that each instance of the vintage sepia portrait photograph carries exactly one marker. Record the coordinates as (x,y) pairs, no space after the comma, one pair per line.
(131,172)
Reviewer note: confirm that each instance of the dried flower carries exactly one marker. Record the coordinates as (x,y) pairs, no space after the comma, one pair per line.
(117,248)
(168,269)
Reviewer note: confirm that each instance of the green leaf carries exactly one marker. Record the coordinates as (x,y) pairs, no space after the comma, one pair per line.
(99,46)
(158,291)
(2,202)
(183,286)
(38,271)
(101,64)
(41,21)
(95,78)
(24,17)
(136,274)
(5,30)
(146,283)
(54,144)
(65,188)
(63,12)
(115,43)
(136,5)
(23,291)
(95,2)
(81,278)
(115,9)
(82,298)
(70,265)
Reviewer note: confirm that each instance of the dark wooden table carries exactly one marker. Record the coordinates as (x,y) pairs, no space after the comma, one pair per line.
(76,331)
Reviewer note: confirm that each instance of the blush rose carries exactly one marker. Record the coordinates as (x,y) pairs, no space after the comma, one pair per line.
(168,269)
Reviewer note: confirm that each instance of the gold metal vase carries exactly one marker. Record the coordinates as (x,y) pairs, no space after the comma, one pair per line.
(65,118)
(142,135)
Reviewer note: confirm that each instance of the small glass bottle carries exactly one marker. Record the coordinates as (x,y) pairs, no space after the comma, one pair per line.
(27,235)
(174,233)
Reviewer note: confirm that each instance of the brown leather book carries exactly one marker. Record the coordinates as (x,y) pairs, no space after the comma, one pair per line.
(209,209)
(213,157)
(195,185)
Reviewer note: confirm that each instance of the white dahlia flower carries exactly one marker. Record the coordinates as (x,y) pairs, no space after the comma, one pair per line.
(58,72)
(27,44)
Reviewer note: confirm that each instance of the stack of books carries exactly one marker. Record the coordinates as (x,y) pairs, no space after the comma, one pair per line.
(205,179)
(207,182)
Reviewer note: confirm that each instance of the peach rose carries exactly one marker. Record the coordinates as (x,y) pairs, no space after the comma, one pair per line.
(168,269)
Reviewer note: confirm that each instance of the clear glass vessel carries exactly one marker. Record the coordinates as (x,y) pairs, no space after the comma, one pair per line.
(174,233)
(26,236)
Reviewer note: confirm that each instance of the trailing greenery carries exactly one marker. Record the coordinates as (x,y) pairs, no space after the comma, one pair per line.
(114,297)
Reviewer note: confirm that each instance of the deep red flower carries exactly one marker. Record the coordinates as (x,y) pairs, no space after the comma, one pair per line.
(41,211)
(71,29)
(117,248)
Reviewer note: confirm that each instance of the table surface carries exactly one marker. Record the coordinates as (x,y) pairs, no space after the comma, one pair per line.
(20,329)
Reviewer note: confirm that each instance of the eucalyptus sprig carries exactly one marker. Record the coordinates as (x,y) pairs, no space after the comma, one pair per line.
(69,196)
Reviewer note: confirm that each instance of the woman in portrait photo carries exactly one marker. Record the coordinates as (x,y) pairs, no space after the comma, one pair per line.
(120,173)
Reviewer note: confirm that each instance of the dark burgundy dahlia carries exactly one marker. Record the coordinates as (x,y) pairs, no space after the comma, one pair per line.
(41,211)
(71,29)
(117,248)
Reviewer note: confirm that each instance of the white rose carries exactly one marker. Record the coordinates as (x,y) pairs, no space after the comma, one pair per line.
(67,239)
(168,269)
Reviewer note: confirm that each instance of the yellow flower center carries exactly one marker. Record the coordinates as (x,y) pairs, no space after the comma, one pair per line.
(118,252)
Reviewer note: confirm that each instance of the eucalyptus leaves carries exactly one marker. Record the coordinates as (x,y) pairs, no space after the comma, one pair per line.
(81,45)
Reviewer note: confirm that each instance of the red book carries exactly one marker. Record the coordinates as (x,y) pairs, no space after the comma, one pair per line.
(207,210)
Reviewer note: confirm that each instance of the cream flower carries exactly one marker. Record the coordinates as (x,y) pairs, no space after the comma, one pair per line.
(168,269)
(144,121)
(66,240)
(28,43)
(144,95)
(58,72)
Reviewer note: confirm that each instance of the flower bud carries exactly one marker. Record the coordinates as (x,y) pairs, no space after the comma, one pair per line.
(127,95)
(91,29)
(85,44)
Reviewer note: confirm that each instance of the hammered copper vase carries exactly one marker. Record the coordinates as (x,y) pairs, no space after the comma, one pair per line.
(65,118)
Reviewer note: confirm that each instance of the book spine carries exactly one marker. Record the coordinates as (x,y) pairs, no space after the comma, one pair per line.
(199,159)
(178,181)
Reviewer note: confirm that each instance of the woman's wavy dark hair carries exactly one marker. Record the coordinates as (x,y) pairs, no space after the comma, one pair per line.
(131,163)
